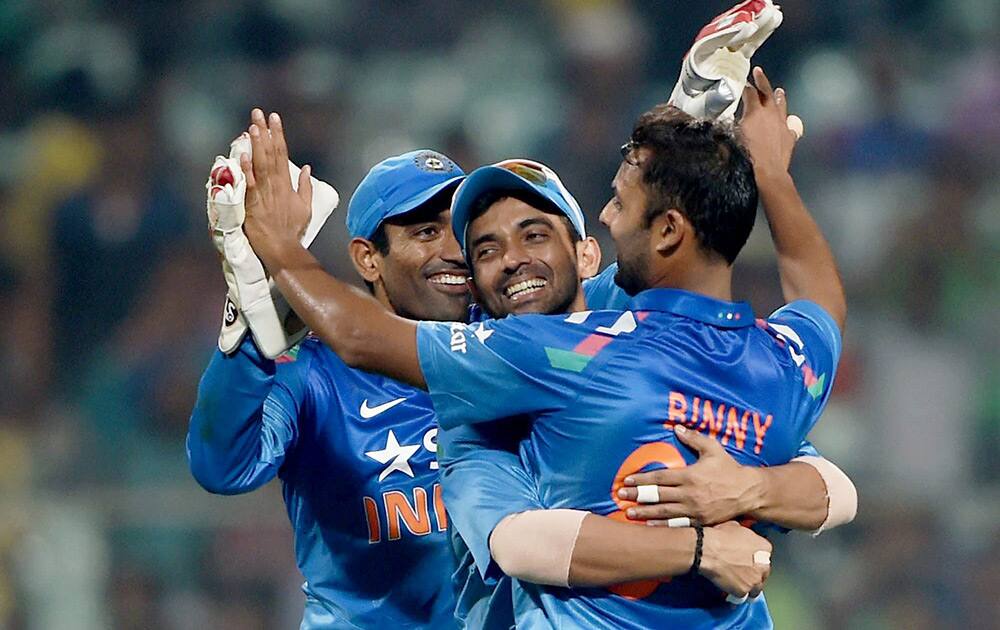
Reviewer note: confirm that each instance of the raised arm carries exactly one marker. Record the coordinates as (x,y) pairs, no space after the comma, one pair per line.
(360,330)
(806,264)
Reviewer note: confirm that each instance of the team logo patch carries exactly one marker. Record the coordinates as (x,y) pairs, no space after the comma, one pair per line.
(229,313)
(434,162)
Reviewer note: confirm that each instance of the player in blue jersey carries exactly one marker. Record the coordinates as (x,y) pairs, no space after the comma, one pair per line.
(354,450)
(298,275)
(308,419)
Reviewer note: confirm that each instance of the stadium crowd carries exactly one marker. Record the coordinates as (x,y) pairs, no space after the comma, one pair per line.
(112,112)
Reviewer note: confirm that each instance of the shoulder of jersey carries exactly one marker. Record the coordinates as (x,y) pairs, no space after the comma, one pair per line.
(308,347)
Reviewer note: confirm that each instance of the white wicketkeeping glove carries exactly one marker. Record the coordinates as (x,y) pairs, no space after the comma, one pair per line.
(715,70)
(252,299)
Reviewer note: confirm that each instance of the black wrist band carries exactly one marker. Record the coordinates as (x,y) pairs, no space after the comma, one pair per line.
(699,533)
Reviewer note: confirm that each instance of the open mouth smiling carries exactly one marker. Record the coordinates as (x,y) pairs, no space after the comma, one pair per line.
(524,289)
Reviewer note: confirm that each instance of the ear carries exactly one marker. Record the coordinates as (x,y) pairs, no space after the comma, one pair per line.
(669,231)
(588,257)
(366,259)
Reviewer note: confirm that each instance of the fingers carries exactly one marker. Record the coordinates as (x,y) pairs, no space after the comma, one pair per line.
(247,167)
(781,100)
(260,141)
(751,99)
(657,512)
(651,494)
(796,126)
(305,184)
(662,477)
(279,154)
(676,521)
(763,84)
(701,444)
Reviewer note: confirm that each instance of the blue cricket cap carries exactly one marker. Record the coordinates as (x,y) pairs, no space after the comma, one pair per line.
(533,179)
(398,185)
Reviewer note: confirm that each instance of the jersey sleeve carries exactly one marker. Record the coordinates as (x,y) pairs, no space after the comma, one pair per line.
(602,292)
(483,481)
(499,369)
(807,449)
(244,420)
(814,342)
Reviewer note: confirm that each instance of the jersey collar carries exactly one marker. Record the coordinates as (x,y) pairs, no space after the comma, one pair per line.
(694,306)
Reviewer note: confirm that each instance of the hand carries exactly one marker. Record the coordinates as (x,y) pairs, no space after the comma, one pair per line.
(735,559)
(713,490)
(764,127)
(276,214)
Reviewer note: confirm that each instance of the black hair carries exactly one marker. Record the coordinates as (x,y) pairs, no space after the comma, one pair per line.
(485,201)
(700,168)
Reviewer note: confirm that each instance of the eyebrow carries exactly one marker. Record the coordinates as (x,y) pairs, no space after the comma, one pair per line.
(483,239)
(523,225)
(534,221)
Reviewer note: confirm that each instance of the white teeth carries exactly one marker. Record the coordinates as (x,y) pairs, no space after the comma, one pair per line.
(447,278)
(517,290)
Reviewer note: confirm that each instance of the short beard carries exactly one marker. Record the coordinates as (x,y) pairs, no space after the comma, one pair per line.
(631,274)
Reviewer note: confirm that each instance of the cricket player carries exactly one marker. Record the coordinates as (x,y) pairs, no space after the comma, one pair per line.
(576,377)
(355,451)
(373,550)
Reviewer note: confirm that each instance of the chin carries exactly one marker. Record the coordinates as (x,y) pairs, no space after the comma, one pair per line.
(453,309)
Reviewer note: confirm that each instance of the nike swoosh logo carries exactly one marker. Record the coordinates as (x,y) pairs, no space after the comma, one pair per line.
(370,412)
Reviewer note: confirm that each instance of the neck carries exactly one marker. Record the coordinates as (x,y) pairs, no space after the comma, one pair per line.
(712,279)
(579,302)
(383,297)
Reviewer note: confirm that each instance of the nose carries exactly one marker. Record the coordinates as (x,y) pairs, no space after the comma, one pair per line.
(450,251)
(605,212)
(515,256)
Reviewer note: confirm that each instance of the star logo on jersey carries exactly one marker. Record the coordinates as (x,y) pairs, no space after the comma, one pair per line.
(370,412)
(483,333)
(398,454)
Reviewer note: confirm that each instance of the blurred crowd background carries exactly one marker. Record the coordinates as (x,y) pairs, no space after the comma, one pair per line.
(111,113)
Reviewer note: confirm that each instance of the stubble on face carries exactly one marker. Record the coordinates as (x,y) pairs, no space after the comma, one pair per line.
(524,260)
(624,217)
(423,274)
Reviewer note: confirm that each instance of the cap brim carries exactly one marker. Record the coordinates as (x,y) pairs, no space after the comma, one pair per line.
(481,181)
(413,203)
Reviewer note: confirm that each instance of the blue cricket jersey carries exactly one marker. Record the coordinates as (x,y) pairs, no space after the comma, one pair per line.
(355,453)
(482,463)
(603,389)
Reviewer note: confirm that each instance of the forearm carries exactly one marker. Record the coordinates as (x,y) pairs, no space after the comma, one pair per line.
(357,327)
(806,265)
(792,495)
(609,552)
(574,548)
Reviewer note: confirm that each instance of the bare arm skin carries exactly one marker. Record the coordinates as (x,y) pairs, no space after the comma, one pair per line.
(359,329)
(716,489)
(605,553)
(806,264)
(574,548)
(610,552)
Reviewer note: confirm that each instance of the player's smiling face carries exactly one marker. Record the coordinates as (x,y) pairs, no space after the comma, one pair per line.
(524,260)
(423,273)
(623,215)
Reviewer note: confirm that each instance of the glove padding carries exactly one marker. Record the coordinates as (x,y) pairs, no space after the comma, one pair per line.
(715,70)
(252,300)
